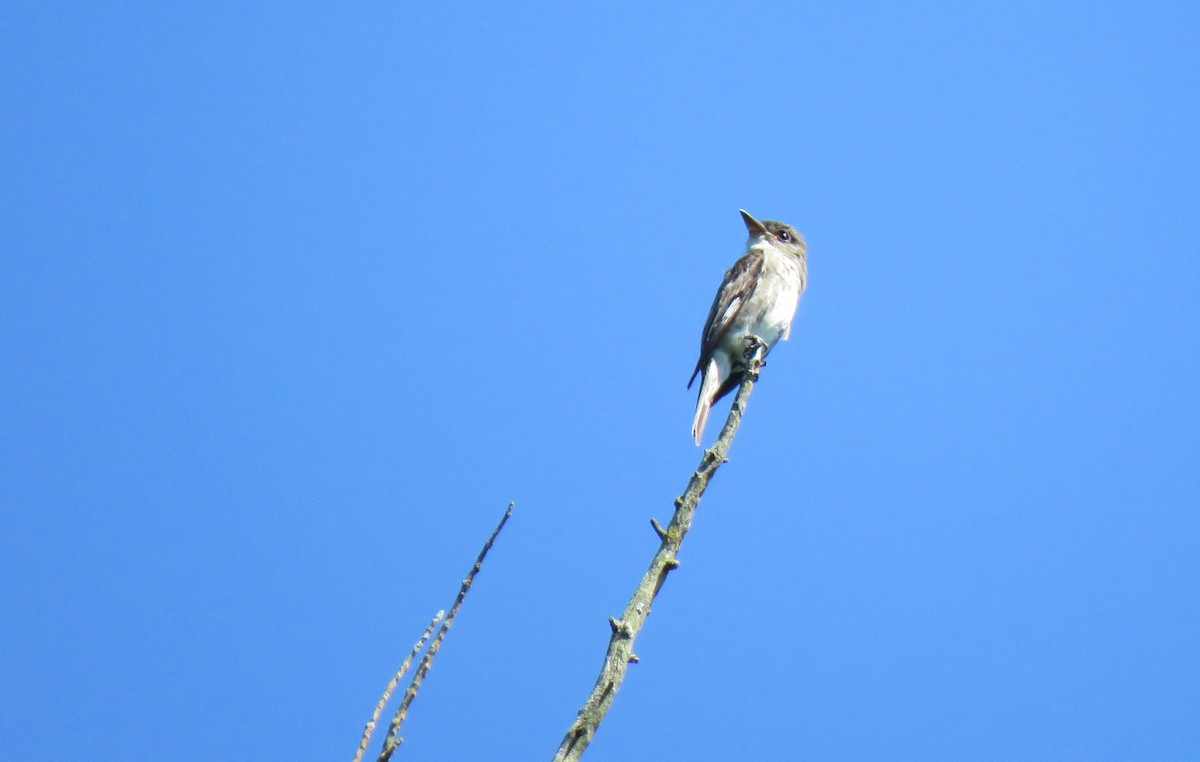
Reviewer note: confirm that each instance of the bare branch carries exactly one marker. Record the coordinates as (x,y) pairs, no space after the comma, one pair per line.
(625,630)
(391,686)
(393,739)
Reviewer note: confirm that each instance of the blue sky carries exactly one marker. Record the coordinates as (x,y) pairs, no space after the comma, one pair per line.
(295,298)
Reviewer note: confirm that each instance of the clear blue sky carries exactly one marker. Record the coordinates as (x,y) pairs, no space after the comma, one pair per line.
(294,299)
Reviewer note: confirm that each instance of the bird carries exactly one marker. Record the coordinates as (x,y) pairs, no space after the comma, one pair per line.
(757,301)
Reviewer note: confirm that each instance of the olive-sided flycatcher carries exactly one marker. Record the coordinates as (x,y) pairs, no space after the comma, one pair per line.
(757,298)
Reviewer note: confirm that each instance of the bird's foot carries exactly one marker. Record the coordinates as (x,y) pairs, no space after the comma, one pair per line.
(754,345)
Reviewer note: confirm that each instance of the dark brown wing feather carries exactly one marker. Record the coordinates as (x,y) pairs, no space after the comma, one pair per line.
(739,282)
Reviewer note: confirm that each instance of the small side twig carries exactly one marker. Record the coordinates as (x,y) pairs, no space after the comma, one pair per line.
(391,686)
(625,630)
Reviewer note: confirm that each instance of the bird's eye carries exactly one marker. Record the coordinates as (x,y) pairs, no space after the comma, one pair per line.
(784,235)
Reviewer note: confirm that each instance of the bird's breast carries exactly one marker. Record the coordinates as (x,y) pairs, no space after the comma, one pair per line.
(770,309)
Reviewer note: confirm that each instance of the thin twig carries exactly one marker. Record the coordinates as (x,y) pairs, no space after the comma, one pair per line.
(625,630)
(393,739)
(391,686)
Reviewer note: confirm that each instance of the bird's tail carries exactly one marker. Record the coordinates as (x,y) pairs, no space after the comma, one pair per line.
(709,383)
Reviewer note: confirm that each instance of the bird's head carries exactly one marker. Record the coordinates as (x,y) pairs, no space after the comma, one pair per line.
(774,233)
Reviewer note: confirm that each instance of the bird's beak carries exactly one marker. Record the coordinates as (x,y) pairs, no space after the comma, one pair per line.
(754,226)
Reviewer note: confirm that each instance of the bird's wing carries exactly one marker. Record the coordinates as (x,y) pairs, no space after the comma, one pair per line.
(735,289)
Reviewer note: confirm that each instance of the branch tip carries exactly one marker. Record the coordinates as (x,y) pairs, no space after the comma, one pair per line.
(393,740)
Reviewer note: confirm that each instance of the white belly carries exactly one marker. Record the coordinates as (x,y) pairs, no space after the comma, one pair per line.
(769,316)
(778,319)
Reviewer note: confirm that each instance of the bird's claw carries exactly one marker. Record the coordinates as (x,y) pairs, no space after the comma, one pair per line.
(753,345)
